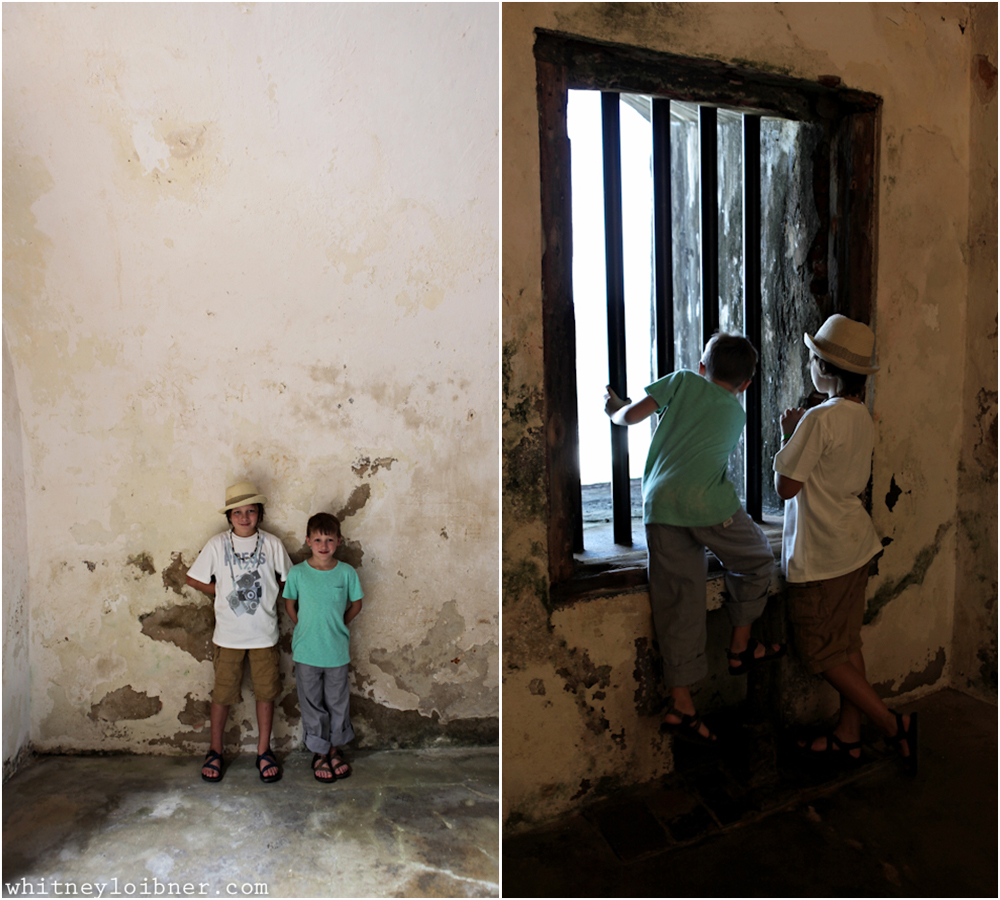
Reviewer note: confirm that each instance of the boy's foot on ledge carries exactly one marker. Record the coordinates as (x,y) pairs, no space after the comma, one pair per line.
(682,720)
(751,654)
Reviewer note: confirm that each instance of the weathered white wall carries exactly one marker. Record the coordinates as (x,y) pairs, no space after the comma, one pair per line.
(574,678)
(16,683)
(253,241)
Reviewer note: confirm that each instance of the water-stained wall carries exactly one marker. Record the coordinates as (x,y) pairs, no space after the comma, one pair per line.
(252,242)
(578,678)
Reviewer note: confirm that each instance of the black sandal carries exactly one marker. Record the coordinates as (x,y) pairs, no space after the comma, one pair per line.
(749,661)
(836,751)
(688,729)
(212,761)
(910,736)
(317,766)
(335,762)
(268,757)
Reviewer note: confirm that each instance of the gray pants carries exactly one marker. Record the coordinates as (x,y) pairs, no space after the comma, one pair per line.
(324,701)
(678,574)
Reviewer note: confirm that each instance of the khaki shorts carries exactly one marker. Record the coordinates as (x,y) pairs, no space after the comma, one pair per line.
(229,674)
(827,616)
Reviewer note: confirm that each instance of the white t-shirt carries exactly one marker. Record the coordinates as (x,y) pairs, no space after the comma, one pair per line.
(247,571)
(828,532)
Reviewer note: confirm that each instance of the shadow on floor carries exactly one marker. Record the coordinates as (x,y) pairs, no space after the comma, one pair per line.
(754,821)
(405,823)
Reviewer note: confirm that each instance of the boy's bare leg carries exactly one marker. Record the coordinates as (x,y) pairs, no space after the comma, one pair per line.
(683,703)
(265,718)
(740,639)
(217,717)
(849,680)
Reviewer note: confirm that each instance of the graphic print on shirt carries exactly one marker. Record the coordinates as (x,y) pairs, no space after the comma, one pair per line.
(247,588)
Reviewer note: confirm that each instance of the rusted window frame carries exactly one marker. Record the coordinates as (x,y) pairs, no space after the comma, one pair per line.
(843,276)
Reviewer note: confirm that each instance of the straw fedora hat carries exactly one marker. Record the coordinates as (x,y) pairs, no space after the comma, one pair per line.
(845,343)
(242,494)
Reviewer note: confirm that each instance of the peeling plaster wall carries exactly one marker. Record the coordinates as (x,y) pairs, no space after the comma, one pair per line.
(16,683)
(576,680)
(976,584)
(252,241)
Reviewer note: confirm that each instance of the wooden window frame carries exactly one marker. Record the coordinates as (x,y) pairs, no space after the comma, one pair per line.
(843,277)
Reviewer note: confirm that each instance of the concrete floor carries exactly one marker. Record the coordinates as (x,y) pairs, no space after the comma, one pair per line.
(406,823)
(725,827)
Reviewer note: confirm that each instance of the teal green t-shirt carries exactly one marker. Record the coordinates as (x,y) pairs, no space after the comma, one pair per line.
(321,638)
(685,478)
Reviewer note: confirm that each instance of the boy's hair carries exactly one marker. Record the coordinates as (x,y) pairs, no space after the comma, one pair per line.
(849,384)
(260,514)
(323,523)
(730,358)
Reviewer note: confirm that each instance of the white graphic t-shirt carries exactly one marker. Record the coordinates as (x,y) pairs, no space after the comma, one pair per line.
(247,571)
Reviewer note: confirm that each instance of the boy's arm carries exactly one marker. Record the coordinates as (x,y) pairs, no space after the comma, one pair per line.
(290,609)
(786,487)
(201,586)
(623,412)
(352,610)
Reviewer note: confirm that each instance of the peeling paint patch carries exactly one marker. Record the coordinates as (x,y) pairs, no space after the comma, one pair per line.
(359,497)
(537,687)
(143,562)
(189,626)
(888,592)
(425,669)
(895,492)
(289,705)
(365,465)
(174,575)
(930,674)
(90,565)
(351,553)
(381,727)
(125,703)
(195,713)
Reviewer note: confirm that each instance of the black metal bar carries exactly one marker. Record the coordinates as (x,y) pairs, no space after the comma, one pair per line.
(621,502)
(752,256)
(709,141)
(663,258)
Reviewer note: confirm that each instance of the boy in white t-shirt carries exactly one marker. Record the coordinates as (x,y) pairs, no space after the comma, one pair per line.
(243,569)
(821,470)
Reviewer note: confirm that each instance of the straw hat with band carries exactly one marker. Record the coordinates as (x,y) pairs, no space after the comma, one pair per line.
(242,494)
(847,344)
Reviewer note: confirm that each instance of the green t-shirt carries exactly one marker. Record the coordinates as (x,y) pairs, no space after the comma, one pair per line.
(321,638)
(685,478)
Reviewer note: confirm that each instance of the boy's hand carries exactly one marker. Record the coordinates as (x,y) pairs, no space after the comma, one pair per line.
(612,402)
(790,419)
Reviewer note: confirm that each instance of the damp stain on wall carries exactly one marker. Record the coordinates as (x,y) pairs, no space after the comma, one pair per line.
(125,703)
(892,589)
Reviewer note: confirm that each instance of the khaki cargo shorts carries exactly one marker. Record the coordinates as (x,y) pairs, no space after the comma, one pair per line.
(827,616)
(229,674)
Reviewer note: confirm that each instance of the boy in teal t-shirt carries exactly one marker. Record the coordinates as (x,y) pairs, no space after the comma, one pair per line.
(690,505)
(328,596)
